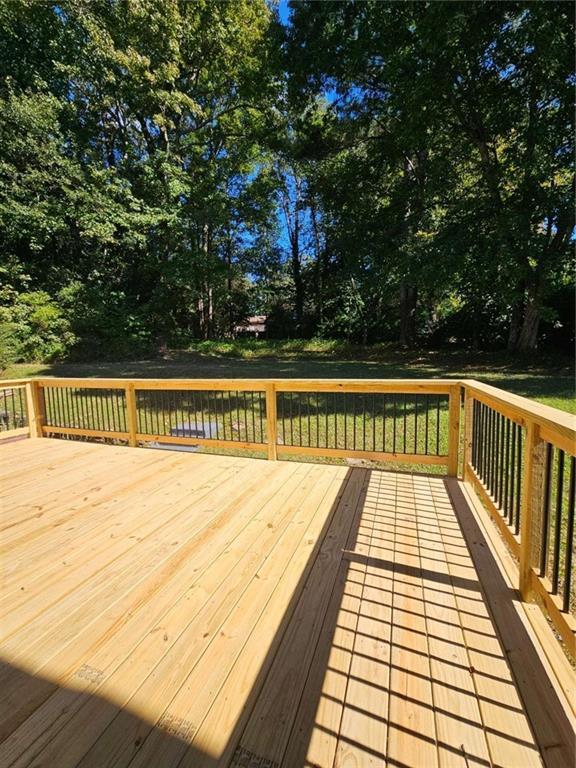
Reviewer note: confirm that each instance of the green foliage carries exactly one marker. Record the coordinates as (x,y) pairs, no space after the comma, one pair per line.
(34,328)
(374,170)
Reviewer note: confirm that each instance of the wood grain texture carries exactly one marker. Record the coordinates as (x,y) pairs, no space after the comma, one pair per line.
(199,610)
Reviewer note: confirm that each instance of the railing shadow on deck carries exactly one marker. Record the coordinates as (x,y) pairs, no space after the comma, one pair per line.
(173,749)
(552,728)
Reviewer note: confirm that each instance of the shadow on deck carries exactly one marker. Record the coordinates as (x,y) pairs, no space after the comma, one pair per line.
(357,627)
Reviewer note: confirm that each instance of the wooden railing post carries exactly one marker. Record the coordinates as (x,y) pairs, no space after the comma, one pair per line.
(131,415)
(271,422)
(35,408)
(531,497)
(453,430)
(468,432)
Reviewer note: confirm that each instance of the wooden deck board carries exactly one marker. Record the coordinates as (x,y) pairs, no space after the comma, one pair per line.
(193,610)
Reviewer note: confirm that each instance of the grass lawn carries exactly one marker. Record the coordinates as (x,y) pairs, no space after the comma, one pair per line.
(547,379)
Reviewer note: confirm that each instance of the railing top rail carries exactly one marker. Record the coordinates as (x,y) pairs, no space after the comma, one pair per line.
(5,383)
(552,419)
(432,386)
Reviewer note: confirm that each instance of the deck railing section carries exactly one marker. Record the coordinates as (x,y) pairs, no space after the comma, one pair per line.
(393,420)
(14,408)
(519,456)
(520,459)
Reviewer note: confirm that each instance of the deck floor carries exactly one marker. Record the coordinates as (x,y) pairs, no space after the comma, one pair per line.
(169,609)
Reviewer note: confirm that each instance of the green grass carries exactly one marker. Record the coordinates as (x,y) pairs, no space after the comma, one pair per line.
(548,379)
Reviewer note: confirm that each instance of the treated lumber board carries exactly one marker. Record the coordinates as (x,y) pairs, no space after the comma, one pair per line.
(246,557)
(40,464)
(313,738)
(268,729)
(65,641)
(363,728)
(94,716)
(60,576)
(552,722)
(94,500)
(64,516)
(8,434)
(508,732)
(85,601)
(411,721)
(554,421)
(125,598)
(220,729)
(559,670)
(409,458)
(33,519)
(282,385)
(109,655)
(460,731)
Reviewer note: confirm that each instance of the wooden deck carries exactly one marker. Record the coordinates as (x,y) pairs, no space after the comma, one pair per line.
(168,609)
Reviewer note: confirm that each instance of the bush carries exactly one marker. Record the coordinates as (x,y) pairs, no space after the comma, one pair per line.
(8,345)
(35,328)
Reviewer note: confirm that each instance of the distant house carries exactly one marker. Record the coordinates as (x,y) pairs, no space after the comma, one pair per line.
(253,326)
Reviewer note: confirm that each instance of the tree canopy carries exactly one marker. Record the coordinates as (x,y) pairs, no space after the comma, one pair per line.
(367,170)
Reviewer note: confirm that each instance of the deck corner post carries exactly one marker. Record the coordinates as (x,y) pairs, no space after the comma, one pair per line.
(468,433)
(131,414)
(454,407)
(35,408)
(533,461)
(271,422)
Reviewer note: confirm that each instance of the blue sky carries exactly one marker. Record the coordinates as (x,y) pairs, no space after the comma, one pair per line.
(283,11)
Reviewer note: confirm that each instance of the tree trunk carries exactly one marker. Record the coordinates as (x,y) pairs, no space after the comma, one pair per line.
(515,323)
(231,324)
(408,302)
(528,336)
(297,274)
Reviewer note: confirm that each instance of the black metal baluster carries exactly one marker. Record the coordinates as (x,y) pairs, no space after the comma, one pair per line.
(246,418)
(496,458)
(61,409)
(404,435)
(558,523)
(334,401)
(546,510)
(506,470)
(492,450)
(427,426)
(253,418)
(345,396)
(300,417)
(223,409)
(501,460)
(437,425)
(394,410)
(309,420)
(515,427)
(416,449)
(384,403)
(353,398)
(481,437)
(14,424)
(518,481)
(569,538)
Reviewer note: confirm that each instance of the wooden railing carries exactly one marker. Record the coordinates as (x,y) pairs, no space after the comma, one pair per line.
(517,455)
(15,407)
(391,420)
(520,458)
